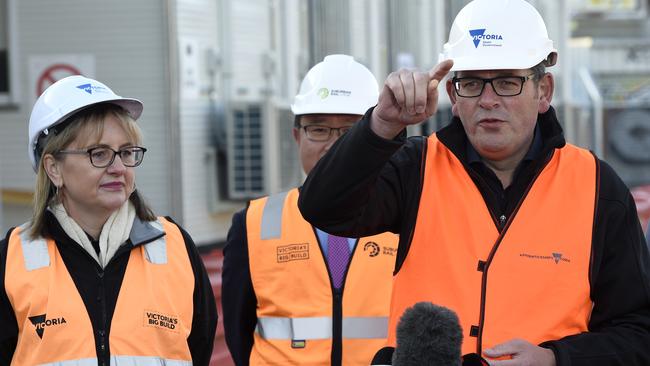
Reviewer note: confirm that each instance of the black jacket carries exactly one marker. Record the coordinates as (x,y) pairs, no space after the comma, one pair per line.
(99,290)
(238,299)
(377,184)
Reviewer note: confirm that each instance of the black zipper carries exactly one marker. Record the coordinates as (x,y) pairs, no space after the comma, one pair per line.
(478,177)
(337,305)
(101,334)
(503,229)
(102,346)
(337,326)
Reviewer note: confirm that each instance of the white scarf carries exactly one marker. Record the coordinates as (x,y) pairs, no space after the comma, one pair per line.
(114,233)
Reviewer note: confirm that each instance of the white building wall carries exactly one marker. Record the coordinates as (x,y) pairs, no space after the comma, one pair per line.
(205,217)
(248,52)
(251,33)
(3,25)
(128,42)
(359,31)
(292,56)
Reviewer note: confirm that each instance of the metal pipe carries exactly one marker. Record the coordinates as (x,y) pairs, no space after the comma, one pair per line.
(173,111)
(597,102)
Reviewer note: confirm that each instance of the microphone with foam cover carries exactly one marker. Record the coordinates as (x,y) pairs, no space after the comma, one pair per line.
(428,335)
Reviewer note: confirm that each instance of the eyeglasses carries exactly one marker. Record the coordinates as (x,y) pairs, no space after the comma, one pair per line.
(103,156)
(504,86)
(323,133)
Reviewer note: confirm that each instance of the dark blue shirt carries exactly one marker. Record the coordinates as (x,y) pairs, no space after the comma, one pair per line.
(504,195)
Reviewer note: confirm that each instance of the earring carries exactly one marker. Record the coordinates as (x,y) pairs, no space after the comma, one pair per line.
(57,194)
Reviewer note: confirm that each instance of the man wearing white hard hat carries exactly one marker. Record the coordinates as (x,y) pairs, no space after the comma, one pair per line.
(293,294)
(95,278)
(532,241)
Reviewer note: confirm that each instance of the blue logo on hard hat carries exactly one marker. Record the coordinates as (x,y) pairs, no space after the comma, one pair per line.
(476,35)
(479,35)
(89,88)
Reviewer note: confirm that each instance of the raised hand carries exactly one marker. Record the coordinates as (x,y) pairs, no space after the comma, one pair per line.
(408,97)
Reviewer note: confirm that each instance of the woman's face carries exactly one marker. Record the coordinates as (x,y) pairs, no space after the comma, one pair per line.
(88,190)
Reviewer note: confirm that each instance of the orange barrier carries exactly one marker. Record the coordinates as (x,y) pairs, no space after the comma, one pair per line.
(213,261)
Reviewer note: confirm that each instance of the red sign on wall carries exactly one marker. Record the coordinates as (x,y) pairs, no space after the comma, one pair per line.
(53,74)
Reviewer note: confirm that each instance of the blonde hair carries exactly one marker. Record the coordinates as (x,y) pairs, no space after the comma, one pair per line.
(87,124)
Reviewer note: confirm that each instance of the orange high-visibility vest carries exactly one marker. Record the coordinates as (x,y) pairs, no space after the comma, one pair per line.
(153,313)
(531,281)
(294,291)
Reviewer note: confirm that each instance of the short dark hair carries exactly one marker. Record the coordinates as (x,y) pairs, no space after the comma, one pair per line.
(539,71)
(296,121)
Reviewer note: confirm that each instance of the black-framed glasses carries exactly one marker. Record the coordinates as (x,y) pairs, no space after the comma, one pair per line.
(504,86)
(323,133)
(103,156)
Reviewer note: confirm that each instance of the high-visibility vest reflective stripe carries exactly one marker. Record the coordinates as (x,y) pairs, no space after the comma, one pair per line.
(321,328)
(535,276)
(162,288)
(152,317)
(36,255)
(39,288)
(35,252)
(294,292)
(123,361)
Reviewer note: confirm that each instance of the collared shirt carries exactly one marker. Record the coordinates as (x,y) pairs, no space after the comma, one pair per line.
(493,182)
(322,239)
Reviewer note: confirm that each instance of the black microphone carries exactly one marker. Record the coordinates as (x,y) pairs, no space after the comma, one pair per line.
(428,335)
(383,357)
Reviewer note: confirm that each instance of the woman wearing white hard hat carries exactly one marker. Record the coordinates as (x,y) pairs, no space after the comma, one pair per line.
(95,278)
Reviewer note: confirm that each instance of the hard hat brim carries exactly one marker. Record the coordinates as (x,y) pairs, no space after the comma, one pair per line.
(498,63)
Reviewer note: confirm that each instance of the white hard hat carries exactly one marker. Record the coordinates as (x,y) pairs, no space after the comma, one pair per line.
(64,98)
(498,35)
(337,85)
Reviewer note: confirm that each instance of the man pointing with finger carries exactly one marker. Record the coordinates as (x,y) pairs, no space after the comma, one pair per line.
(534,242)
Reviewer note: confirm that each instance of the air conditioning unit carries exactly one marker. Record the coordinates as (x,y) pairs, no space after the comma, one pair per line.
(261,155)
(627,143)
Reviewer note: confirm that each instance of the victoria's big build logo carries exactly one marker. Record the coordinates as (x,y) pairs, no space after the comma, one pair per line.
(489,40)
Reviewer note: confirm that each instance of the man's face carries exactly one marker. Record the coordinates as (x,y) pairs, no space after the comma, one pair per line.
(501,128)
(311,151)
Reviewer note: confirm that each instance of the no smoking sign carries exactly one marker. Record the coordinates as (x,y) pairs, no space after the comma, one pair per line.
(54,73)
(45,70)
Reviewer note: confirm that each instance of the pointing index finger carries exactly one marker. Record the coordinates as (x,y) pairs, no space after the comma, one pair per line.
(440,70)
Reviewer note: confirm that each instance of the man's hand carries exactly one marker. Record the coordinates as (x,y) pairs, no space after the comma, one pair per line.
(408,97)
(520,353)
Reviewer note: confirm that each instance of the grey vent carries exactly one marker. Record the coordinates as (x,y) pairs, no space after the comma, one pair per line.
(246,158)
